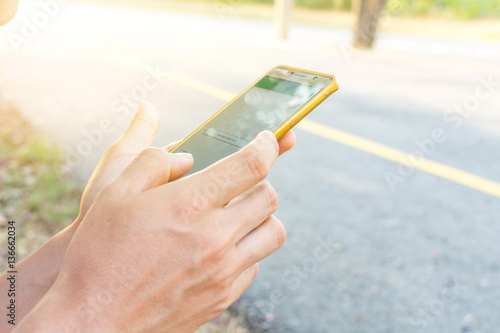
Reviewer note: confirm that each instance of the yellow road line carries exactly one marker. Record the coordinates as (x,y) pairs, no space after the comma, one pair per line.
(377,149)
(202,87)
(398,156)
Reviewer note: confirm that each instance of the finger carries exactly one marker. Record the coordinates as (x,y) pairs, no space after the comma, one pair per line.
(139,135)
(142,130)
(260,243)
(243,281)
(250,209)
(226,179)
(153,167)
(177,173)
(171,146)
(286,142)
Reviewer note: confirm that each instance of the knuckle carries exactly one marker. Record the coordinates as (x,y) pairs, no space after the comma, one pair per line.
(280,231)
(196,202)
(223,302)
(254,270)
(153,153)
(215,249)
(183,206)
(185,213)
(257,165)
(224,279)
(151,124)
(272,196)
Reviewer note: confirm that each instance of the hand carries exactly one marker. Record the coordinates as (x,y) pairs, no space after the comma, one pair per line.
(155,255)
(40,269)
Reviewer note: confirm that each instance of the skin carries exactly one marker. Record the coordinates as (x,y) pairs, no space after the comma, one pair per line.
(8,9)
(155,259)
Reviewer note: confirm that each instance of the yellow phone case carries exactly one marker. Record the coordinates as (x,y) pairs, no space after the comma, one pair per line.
(293,120)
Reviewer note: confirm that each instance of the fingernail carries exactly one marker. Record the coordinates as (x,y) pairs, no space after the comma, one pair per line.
(145,108)
(266,138)
(186,156)
(266,135)
(146,104)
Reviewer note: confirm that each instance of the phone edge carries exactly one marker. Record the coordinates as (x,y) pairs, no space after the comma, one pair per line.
(294,119)
(309,106)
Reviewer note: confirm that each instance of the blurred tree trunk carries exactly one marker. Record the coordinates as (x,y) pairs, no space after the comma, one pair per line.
(282,17)
(367,12)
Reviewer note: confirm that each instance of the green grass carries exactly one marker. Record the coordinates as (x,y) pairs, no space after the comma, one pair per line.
(33,190)
(458,9)
(454,9)
(33,167)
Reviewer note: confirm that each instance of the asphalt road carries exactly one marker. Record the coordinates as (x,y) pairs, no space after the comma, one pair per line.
(361,255)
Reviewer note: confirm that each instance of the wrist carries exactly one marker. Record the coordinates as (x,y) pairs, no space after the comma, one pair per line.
(65,309)
(41,268)
(36,275)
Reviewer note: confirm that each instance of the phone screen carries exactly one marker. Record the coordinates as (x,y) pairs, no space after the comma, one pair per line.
(266,105)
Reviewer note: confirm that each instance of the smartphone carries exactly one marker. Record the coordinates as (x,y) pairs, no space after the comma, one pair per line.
(277,101)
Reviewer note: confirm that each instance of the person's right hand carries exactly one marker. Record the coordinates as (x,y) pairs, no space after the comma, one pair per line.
(169,256)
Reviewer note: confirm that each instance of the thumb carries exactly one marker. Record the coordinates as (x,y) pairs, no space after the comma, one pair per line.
(153,167)
(142,130)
